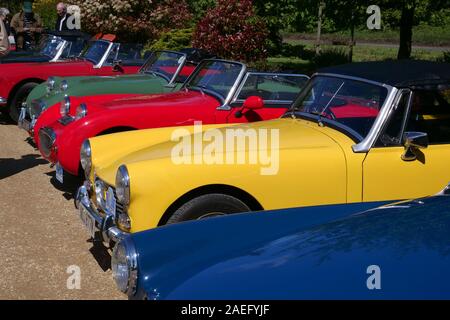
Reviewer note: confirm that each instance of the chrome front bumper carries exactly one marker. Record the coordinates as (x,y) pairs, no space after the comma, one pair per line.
(104,224)
(3,101)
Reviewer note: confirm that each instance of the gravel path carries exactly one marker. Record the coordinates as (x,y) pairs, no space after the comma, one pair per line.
(41,234)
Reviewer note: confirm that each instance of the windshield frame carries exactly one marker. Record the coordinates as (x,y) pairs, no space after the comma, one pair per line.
(170,82)
(365,144)
(225,101)
(105,54)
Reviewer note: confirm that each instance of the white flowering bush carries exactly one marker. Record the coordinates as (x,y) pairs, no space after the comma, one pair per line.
(133,20)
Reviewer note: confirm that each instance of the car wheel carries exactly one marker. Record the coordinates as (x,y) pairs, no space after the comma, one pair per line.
(20,97)
(207,206)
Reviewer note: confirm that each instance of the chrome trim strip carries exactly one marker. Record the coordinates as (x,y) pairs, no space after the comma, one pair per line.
(241,86)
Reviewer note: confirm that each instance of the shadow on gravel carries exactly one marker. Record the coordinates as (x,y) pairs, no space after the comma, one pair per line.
(101,254)
(69,187)
(31,142)
(10,166)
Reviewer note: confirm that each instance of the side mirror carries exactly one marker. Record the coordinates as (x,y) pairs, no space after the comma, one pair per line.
(251,103)
(412,142)
(117,66)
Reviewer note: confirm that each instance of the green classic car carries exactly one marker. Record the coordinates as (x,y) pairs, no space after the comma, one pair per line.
(164,71)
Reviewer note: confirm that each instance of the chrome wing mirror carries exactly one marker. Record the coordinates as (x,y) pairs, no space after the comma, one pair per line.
(413,141)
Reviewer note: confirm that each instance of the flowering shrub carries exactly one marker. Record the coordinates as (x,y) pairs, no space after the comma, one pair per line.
(133,20)
(173,40)
(232,30)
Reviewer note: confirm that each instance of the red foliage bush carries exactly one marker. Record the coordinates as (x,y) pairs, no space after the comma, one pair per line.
(232,30)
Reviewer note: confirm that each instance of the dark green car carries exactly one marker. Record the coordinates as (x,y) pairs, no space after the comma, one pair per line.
(164,71)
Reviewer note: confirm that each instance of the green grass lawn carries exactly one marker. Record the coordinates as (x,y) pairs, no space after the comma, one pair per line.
(360,53)
(422,35)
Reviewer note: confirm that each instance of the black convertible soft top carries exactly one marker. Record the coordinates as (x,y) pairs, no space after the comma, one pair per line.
(397,73)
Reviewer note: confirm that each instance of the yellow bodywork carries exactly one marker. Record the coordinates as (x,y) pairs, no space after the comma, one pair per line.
(316,166)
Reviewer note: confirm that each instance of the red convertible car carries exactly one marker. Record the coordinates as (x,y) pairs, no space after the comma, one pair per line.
(218,91)
(18,79)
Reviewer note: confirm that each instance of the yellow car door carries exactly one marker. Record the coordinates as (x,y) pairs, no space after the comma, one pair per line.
(411,157)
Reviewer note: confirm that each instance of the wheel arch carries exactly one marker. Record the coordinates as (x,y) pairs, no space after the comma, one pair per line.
(19,85)
(238,193)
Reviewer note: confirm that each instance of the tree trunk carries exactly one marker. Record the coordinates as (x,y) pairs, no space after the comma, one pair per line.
(352,37)
(319,26)
(406,25)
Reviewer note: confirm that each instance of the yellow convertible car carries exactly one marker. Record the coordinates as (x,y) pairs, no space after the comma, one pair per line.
(362,132)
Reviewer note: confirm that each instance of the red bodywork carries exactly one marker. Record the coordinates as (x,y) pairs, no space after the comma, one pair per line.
(137,112)
(14,75)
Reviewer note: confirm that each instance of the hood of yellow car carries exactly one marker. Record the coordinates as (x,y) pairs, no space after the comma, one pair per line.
(292,134)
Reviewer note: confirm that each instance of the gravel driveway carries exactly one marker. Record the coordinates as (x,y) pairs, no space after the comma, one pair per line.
(42,242)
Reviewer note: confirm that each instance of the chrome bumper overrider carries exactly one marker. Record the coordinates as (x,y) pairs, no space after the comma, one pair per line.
(24,123)
(105,224)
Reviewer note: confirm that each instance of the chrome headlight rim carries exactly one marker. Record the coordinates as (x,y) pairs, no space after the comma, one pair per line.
(124,266)
(64,85)
(123,186)
(86,158)
(50,84)
(81,111)
(65,106)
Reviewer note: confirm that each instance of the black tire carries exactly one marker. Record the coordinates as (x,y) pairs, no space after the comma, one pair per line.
(20,97)
(209,205)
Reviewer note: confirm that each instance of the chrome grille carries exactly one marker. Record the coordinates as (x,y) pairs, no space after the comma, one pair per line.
(47,139)
(119,206)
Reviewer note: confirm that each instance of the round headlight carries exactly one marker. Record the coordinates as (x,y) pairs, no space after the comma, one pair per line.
(86,158)
(64,85)
(81,111)
(65,106)
(124,266)
(123,185)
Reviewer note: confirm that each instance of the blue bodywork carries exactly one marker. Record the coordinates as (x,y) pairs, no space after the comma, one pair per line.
(305,253)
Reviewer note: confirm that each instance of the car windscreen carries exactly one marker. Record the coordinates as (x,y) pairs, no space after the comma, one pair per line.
(352,103)
(95,51)
(272,87)
(215,77)
(164,64)
(50,46)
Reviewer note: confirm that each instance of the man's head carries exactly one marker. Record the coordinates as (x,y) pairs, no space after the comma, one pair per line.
(61,9)
(28,6)
(3,13)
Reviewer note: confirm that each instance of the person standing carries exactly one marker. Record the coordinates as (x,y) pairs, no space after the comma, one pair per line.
(4,42)
(63,17)
(27,26)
